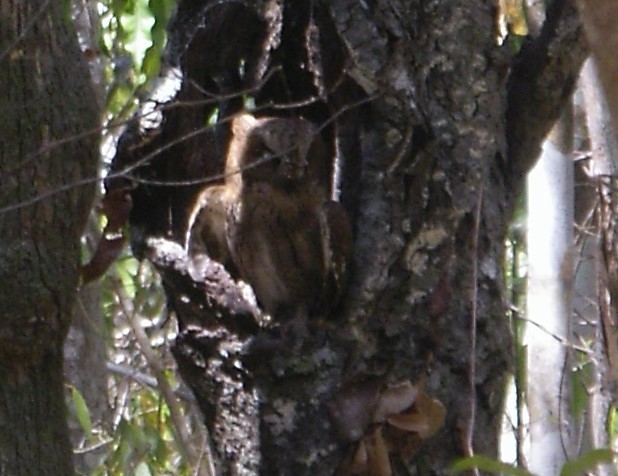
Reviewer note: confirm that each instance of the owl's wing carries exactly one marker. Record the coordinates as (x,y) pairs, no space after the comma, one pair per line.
(208,233)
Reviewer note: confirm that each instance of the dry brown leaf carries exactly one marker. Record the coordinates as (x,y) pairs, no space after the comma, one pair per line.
(395,399)
(358,465)
(106,253)
(433,410)
(116,206)
(378,460)
(412,422)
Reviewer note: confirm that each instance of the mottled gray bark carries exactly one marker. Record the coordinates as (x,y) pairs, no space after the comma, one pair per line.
(48,140)
(435,131)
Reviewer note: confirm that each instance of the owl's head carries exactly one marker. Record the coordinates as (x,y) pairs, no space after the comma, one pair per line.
(272,149)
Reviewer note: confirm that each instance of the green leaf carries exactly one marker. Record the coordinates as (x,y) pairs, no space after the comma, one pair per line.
(152,63)
(161,452)
(612,423)
(138,25)
(161,9)
(489,465)
(142,470)
(81,411)
(126,270)
(119,6)
(587,461)
(66,10)
(126,446)
(118,98)
(579,392)
(159,38)
(213,118)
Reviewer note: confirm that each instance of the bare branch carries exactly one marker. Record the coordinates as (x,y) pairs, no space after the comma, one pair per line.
(145,379)
(542,80)
(599,18)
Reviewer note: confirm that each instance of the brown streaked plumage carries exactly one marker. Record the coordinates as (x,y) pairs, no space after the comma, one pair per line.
(273,219)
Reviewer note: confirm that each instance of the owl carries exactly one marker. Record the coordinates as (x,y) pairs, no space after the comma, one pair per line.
(273,220)
(209,226)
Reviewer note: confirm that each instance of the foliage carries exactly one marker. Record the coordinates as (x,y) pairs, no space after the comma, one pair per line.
(133,36)
(580,373)
(587,461)
(514,15)
(489,465)
(81,411)
(142,437)
(512,22)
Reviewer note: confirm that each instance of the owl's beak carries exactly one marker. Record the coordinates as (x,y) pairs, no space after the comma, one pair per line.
(293,166)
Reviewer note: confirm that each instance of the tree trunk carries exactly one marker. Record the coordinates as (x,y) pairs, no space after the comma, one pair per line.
(549,302)
(591,291)
(434,134)
(48,144)
(600,22)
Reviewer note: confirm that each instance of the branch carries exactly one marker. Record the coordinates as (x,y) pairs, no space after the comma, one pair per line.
(541,82)
(191,281)
(218,325)
(145,379)
(179,420)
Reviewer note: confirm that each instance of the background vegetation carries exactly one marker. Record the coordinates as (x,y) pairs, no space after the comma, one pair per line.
(148,424)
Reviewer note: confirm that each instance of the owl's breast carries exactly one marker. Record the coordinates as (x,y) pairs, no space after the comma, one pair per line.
(275,243)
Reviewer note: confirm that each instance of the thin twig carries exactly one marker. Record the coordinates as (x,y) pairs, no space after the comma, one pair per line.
(126,172)
(560,339)
(180,423)
(116,123)
(145,379)
(469,428)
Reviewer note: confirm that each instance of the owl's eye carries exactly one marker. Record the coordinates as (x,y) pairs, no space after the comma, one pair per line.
(264,155)
(260,164)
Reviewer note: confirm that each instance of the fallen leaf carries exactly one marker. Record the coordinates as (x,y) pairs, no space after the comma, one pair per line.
(412,422)
(378,460)
(395,399)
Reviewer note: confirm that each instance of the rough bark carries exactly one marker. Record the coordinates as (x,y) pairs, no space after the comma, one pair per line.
(418,103)
(48,138)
